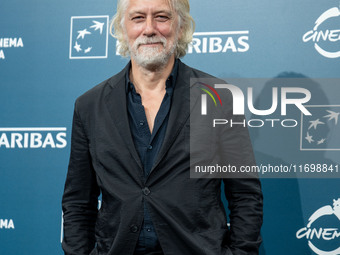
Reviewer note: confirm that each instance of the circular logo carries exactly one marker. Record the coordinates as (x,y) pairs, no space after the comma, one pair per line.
(318,36)
(325,234)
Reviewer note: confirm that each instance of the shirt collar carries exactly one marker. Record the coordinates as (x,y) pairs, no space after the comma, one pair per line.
(170,83)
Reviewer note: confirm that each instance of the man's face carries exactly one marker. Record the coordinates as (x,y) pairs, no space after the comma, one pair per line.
(151,31)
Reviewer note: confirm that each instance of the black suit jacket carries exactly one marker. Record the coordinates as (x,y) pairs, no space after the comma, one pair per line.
(188,214)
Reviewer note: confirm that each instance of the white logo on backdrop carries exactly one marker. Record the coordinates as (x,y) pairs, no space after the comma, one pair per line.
(33,138)
(89,37)
(331,36)
(10,43)
(325,234)
(6,224)
(219,42)
(321,130)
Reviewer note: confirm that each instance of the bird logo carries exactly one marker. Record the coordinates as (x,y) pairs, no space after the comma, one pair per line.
(89,37)
(321,128)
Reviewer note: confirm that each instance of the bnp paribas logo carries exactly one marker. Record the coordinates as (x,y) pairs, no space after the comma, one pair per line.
(89,37)
(321,130)
(33,138)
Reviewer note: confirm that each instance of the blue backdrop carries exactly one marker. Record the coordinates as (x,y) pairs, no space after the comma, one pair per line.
(45,63)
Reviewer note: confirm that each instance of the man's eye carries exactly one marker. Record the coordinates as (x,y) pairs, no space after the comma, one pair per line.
(162,18)
(137,18)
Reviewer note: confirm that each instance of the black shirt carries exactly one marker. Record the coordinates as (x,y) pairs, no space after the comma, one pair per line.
(148,145)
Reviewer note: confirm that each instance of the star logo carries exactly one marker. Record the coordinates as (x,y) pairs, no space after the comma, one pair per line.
(309,138)
(89,37)
(77,47)
(321,130)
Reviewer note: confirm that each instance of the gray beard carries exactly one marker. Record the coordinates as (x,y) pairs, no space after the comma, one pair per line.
(151,58)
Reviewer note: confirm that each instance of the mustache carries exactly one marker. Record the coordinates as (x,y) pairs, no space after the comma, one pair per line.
(148,40)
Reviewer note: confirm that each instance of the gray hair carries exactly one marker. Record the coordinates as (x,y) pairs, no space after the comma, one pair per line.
(186,25)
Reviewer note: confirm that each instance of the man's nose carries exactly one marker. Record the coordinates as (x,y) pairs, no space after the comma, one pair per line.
(150,27)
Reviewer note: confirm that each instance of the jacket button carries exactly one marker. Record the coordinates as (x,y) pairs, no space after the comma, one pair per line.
(133,228)
(146,191)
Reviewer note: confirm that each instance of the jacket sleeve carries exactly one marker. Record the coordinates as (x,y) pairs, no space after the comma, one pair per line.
(80,198)
(243,191)
(245,205)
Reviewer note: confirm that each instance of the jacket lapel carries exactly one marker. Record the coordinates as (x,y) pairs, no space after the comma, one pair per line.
(115,101)
(179,111)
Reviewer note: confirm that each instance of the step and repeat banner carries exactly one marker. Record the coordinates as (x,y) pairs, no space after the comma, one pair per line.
(282,57)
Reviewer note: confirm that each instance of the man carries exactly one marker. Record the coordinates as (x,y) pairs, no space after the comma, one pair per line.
(130,143)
